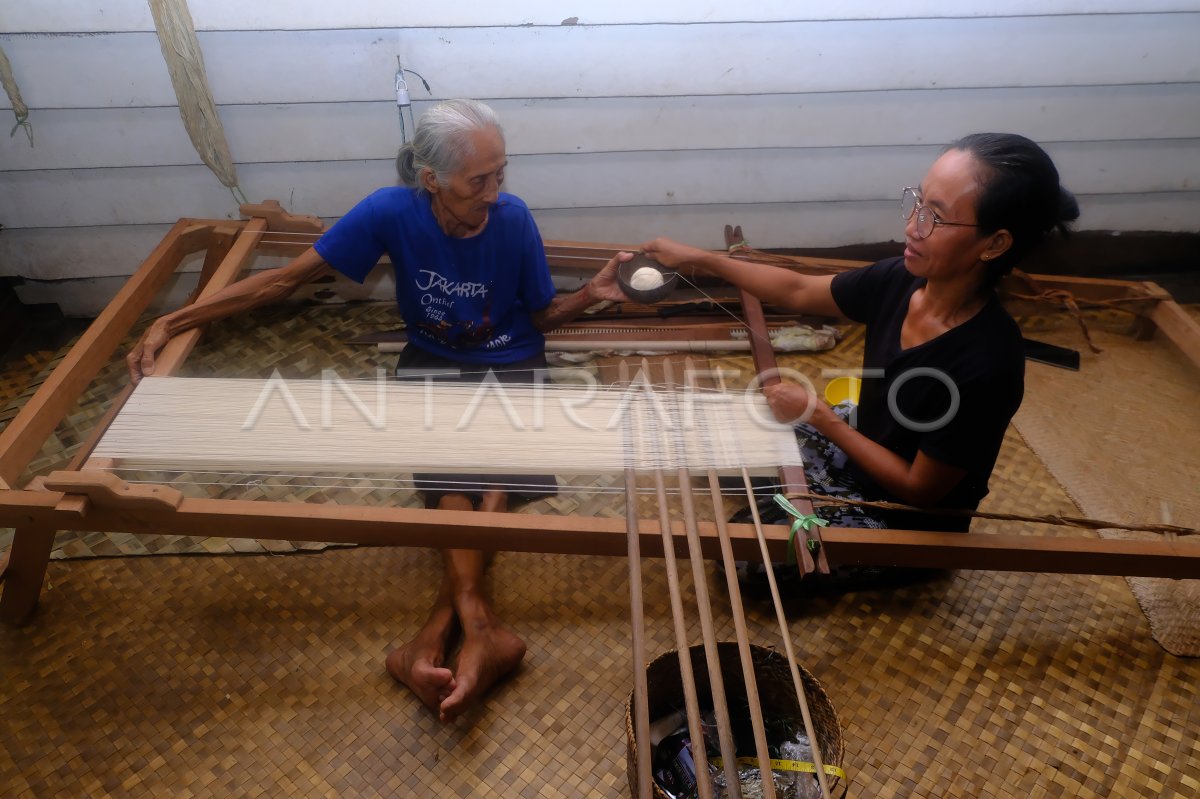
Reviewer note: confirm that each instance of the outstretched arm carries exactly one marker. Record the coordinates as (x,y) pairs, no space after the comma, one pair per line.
(268,286)
(603,286)
(781,287)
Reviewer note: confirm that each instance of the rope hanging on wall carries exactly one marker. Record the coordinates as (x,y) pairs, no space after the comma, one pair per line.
(185,62)
(14,95)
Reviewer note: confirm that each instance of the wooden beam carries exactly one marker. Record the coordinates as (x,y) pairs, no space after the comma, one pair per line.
(379,526)
(766,367)
(279,220)
(24,436)
(574,535)
(1179,558)
(177,349)
(1180,329)
(106,490)
(218,248)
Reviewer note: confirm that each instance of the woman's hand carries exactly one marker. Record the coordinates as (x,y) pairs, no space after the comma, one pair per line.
(793,403)
(140,359)
(604,285)
(672,254)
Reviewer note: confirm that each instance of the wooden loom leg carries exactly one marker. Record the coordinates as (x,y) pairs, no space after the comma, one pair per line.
(28,558)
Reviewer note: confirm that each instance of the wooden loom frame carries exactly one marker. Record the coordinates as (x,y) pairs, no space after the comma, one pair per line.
(37,510)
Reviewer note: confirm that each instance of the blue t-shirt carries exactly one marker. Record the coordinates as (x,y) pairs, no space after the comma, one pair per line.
(468,299)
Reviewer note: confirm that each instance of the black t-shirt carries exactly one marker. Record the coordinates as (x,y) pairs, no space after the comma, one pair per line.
(951,397)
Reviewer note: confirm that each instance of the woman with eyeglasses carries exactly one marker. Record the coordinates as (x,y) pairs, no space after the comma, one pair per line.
(943,361)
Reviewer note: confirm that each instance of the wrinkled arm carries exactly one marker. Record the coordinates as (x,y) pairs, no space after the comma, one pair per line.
(263,288)
(603,286)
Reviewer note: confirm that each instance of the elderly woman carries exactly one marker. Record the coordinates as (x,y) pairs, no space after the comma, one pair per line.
(474,289)
(943,361)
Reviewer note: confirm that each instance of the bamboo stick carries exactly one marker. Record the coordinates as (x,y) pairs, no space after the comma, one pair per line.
(785,632)
(682,647)
(716,680)
(641,710)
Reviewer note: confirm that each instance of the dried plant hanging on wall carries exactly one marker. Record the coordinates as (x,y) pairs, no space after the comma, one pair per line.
(14,95)
(185,61)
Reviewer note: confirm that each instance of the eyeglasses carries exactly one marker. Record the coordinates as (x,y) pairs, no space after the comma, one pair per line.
(927,220)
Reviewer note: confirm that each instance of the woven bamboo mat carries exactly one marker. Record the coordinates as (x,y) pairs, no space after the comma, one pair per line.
(263,676)
(252,676)
(1131,449)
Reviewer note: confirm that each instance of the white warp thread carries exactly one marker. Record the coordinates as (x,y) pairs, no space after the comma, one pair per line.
(186,424)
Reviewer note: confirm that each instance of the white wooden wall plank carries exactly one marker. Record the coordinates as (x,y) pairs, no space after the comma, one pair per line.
(61,253)
(86,138)
(49,16)
(605,118)
(41,198)
(832,224)
(356,65)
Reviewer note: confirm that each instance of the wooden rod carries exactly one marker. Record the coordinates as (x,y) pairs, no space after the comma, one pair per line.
(743,638)
(786,633)
(682,646)
(646,345)
(384,526)
(1008,552)
(716,679)
(739,625)
(24,436)
(792,478)
(641,707)
(573,535)
(372,526)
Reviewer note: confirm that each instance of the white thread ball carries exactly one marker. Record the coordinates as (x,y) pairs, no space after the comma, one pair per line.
(646,278)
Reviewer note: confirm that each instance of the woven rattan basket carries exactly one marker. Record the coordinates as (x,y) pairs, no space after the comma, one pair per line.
(776,693)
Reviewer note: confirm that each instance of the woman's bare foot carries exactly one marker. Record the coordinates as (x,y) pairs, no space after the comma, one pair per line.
(487,655)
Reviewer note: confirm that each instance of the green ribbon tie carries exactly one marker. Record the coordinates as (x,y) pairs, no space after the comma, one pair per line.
(803,520)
